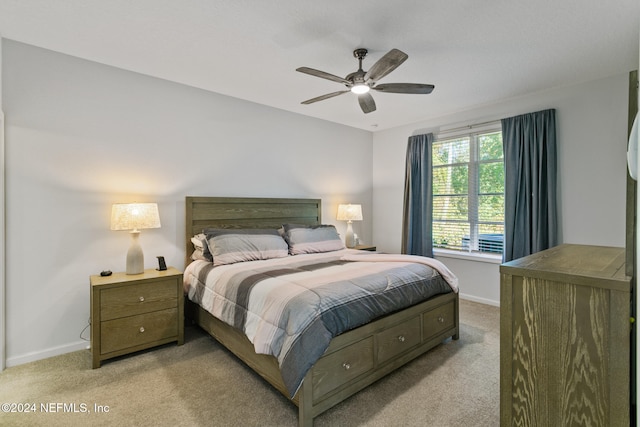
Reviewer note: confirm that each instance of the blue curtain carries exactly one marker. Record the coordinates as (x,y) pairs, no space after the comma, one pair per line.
(529,142)
(417,216)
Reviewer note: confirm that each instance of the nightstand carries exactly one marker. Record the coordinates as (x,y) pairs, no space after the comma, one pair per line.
(135,312)
(365,248)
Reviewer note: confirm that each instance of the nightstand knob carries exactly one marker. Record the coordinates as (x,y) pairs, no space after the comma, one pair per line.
(141,329)
(346,366)
(440,319)
(141,299)
(401,338)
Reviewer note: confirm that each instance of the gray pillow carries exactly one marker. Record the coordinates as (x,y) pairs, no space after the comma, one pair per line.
(307,239)
(229,246)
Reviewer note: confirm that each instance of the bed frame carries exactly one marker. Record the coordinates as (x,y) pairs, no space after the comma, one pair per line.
(354,359)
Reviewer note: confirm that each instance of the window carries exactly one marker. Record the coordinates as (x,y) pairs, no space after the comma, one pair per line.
(468,192)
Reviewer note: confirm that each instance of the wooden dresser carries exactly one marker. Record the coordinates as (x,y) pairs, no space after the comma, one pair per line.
(135,312)
(565,338)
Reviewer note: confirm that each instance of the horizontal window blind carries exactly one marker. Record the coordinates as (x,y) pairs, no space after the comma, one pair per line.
(468,192)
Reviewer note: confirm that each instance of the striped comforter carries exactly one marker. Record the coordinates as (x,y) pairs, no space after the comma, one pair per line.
(292,307)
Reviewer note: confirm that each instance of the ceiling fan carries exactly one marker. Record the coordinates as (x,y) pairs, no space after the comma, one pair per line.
(361,82)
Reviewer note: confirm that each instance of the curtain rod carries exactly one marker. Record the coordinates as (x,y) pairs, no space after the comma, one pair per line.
(475,125)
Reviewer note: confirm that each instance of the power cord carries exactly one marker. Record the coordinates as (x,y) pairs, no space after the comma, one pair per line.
(83,331)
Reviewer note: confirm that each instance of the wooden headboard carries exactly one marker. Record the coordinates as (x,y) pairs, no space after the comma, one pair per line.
(246,212)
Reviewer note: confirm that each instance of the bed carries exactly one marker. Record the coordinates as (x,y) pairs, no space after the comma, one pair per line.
(354,358)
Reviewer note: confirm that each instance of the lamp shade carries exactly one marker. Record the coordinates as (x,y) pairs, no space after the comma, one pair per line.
(349,212)
(134,216)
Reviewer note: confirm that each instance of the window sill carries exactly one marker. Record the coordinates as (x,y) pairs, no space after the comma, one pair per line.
(468,256)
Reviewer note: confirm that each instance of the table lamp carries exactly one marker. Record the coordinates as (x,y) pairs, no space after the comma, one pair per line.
(349,213)
(134,217)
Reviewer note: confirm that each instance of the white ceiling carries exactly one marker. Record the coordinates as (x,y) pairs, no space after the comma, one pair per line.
(474,52)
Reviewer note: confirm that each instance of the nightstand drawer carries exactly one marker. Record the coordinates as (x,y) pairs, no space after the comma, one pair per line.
(140,298)
(138,330)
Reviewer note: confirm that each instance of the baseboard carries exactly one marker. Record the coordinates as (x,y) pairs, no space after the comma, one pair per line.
(479,300)
(45,354)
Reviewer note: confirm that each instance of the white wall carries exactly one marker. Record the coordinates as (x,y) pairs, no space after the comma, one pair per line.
(81,136)
(591,132)
(2,226)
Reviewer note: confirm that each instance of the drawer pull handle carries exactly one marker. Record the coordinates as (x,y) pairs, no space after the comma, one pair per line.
(401,338)
(440,319)
(141,329)
(141,299)
(346,366)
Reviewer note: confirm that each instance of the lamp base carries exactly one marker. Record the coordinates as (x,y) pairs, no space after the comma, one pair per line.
(349,238)
(135,257)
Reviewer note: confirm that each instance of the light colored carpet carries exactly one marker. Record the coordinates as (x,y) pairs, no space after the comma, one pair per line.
(202,384)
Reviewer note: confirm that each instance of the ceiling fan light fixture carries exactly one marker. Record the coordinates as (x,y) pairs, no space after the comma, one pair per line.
(360,88)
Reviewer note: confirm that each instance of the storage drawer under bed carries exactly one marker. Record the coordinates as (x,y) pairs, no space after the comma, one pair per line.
(438,320)
(398,339)
(341,366)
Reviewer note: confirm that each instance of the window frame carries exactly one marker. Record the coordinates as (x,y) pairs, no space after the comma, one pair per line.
(473,133)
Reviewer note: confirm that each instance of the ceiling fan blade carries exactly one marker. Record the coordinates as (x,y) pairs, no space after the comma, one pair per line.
(323,97)
(389,62)
(322,74)
(367,103)
(405,88)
